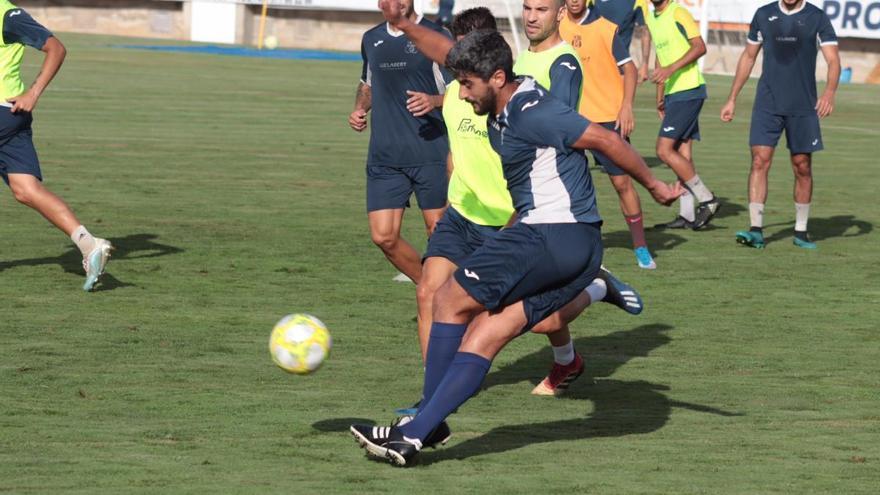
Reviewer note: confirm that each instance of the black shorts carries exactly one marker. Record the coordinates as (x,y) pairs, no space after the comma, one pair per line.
(17,152)
(389,188)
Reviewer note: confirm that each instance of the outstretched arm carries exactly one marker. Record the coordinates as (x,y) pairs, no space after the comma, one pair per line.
(55,53)
(432,44)
(743,70)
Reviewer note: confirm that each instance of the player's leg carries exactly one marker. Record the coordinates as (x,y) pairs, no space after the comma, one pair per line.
(385,233)
(804,137)
(681,124)
(764,133)
(431,186)
(436,271)
(686,207)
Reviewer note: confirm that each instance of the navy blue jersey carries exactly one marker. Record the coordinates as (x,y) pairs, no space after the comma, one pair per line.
(20,27)
(393,66)
(790,39)
(625,13)
(547,179)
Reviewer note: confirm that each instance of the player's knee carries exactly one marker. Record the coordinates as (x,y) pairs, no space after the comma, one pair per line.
(385,241)
(802,167)
(664,151)
(760,163)
(425,291)
(24,193)
(550,324)
(622,184)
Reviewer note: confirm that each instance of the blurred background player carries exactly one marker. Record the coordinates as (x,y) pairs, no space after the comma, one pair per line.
(408,145)
(681,91)
(785,100)
(19,165)
(549,60)
(629,15)
(607,99)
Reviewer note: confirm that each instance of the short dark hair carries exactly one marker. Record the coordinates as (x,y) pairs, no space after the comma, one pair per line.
(473,20)
(481,53)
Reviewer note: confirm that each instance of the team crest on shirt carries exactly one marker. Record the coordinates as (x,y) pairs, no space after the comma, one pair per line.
(410,48)
(576,41)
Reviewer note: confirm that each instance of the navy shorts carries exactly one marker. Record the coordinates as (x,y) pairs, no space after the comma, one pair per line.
(802,132)
(682,120)
(543,265)
(17,152)
(389,188)
(603,161)
(455,237)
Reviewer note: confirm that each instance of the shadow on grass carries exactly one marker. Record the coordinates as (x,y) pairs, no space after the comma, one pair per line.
(136,246)
(339,424)
(619,407)
(826,228)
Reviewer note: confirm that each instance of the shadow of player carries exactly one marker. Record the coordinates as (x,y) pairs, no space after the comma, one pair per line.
(826,228)
(136,246)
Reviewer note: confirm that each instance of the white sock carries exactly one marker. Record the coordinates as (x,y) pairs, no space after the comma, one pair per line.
(699,189)
(597,290)
(756,214)
(564,354)
(83,240)
(686,206)
(801,215)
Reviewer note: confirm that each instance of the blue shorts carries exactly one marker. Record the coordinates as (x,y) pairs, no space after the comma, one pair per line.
(603,161)
(389,188)
(17,152)
(682,120)
(455,237)
(802,132)
(543,265)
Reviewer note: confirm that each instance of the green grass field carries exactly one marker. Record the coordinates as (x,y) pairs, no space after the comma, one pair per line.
(234,192)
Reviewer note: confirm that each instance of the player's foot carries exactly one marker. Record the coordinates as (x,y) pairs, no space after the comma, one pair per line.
(439,436)
(560,377)
(705,211)
(750,238)
(802,240)
(401,451)
(643,256)
(385,441)
(401,277)
(678,222)
(95,262)
(621,294)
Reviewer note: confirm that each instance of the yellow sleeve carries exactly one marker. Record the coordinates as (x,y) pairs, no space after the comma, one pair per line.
(686,23)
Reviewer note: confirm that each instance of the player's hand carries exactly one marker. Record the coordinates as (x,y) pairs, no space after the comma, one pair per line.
(419,104)
(664,193)
(626,121)
(643,73)
(358,120)
(662,74)
(661,109)
(728,111)
(825,105)
(25,102)
(392,10)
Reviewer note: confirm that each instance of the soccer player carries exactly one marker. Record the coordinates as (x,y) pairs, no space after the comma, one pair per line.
(789,31)
(19,165)
(549,60)
(629,15)
(607,99)
(408,145)
(681,91)
(527,271)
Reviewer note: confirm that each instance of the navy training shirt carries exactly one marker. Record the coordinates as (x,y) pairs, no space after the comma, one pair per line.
(20,27)
(625,13)
(393,65)
(548,180)
(790,39)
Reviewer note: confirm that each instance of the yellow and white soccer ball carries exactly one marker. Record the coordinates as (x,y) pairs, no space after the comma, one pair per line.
(299,343)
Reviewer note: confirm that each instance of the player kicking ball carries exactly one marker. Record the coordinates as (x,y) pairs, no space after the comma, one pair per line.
(19,165)
(528,271)
(785,101)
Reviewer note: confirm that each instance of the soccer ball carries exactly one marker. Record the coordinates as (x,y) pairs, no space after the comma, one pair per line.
(299,343)
(270,42)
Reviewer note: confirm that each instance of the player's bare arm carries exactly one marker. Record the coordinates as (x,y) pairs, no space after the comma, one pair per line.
(362,103)
(55,53)
(596,137)
(697,50)
(743,71)
(661,101)
(825,103)
(645,38)
(432,44)
(626,121)
(420,104)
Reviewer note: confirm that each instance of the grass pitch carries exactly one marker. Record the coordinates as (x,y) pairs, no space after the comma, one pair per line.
(234,192)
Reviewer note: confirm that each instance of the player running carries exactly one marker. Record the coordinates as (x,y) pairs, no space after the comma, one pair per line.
(527,271)
(681,91)
(19,165)
(609,90)
(408,145)
(785,101)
